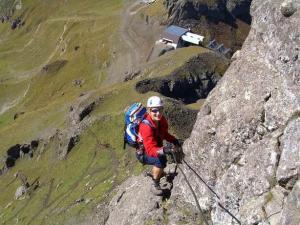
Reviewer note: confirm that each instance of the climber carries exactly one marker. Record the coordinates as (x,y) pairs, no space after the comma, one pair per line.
(153,136)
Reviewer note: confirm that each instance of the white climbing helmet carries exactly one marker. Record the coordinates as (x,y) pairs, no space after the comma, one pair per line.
(154,101)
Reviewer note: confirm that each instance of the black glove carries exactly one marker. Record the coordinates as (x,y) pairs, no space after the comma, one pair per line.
(166,150)
(177,143)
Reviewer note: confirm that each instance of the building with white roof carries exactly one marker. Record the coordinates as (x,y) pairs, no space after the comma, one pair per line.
(176,36)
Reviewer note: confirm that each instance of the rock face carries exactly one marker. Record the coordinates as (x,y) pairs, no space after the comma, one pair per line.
(79,119)
(227,21)
(134,204)
(245,142)
(247,146)
(215,9)
(190,82)
(290,214)
(180,118)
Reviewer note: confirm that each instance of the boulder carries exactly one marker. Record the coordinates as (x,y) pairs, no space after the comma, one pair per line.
(288,8)
(20,192)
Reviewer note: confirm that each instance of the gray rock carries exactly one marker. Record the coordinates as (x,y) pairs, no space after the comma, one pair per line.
(289,165)
(183,11)
(238,7)
(290,214)
(253,115)
(236,55)
(79,120)
(288,8)
(20,192)
(273,204)
(134,204)
(190,82)
(84,105)
(67,141)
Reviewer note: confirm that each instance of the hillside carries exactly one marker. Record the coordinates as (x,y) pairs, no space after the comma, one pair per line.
(62,97)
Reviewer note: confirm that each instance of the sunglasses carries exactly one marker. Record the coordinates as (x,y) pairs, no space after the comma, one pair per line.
(156,110)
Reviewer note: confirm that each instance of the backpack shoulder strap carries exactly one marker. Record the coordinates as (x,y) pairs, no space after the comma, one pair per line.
(145,121)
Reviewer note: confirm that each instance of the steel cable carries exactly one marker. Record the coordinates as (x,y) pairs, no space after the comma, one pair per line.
(223,207)
(193,192)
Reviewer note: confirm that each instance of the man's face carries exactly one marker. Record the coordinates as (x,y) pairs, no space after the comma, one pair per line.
(156,113)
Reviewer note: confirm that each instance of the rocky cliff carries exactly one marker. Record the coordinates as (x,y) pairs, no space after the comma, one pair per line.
(219,10)
(245,143)
(227,21)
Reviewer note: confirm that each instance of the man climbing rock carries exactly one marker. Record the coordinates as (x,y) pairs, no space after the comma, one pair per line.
(153,134)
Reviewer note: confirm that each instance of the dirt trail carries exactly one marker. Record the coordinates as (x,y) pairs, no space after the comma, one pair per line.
(25,46)
(53,20)
(130,50)
(8,105)
(128,35)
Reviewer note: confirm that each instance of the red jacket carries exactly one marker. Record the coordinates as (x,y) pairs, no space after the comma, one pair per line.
(153,136)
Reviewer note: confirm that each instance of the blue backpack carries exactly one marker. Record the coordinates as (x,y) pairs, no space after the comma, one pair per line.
(134,115)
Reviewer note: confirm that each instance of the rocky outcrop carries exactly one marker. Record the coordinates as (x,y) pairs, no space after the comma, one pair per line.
(54,67)
(20,193)
(289,165)
(134,204)
(190,82)
(18,151)
(238,8)
(79,120)
(227,21)
(247,146)
(180,118)
(245,142)
(217,10)
(290,213)
(67,140)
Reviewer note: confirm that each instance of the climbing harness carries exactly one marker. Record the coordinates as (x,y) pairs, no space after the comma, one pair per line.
(193,192)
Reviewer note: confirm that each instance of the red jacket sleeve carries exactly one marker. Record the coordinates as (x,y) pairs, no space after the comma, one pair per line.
(149,141)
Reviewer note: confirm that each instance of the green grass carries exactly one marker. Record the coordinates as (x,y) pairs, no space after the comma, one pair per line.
(87,165)
(97,163)
(45,102)
(155,9)
(168,62)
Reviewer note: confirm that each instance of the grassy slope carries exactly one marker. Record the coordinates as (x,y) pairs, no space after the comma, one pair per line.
(98,162)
